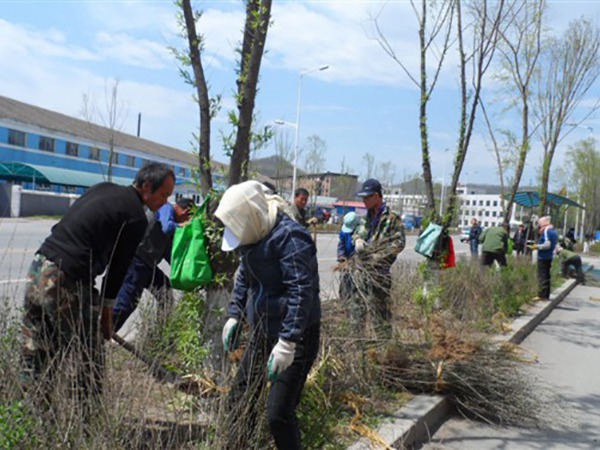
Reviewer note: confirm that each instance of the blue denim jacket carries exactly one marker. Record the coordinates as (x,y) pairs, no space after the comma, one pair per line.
(277,283)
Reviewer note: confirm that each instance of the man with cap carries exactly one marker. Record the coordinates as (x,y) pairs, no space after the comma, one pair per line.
(276,292)
(379,239)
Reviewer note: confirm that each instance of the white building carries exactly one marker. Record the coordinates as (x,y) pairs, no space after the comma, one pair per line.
(406,203)
(486,208)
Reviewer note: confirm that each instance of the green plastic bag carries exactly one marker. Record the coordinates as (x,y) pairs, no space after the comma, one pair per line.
(190,263)
(426,242)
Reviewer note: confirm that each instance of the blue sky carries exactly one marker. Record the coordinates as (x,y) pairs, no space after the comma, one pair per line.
(53,52)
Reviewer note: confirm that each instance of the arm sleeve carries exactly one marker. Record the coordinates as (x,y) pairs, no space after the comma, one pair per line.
(166,217)
(547,244)
(237,305)
(341,247)
(298,271)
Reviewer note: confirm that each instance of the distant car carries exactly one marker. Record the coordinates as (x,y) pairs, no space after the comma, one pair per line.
(464,234)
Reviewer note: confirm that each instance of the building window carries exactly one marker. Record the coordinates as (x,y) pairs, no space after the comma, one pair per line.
(486,224)
(16,137)
(480,202)
(487,214)
(115,157)
(468,202)
(487,203)
(181,172)
(495,202)
(94,153)
(42,186)
(480,213)
(130,161)
(494,213)
(72,149)
(46,144)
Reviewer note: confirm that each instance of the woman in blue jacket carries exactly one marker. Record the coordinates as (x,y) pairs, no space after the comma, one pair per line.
(276,292)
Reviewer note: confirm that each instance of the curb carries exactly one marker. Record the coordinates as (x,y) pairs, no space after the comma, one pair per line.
(420,418)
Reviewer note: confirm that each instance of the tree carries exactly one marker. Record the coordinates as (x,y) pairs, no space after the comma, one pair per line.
(583,164)
(111,117)
(435,41)
(386,173)
(207,107)
(284,153)
(488,21)
(369,162)
(258,16)
(569,68)
(315,156)
(519,49)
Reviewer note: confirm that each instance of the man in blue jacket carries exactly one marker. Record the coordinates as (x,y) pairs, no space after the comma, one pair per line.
(276,292)
(143,272)
(545,247)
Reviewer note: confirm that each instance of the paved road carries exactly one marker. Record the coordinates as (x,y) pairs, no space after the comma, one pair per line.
(568,346)
(20,238)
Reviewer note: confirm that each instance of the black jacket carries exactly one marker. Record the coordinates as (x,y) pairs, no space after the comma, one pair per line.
(99,232)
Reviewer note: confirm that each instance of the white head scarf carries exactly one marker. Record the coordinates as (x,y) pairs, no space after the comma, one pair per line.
(248,212)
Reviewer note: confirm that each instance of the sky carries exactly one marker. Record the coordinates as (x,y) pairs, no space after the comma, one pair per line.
(55,52)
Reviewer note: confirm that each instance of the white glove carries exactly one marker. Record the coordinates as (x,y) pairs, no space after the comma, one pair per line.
(360,245)
(229,330)
(282,357)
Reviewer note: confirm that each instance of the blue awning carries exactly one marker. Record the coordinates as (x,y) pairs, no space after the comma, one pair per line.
(531,199)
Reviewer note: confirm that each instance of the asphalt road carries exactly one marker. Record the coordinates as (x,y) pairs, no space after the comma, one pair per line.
(21,237)
(567,345)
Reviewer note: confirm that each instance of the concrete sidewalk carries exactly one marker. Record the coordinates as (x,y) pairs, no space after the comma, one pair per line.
(422,416)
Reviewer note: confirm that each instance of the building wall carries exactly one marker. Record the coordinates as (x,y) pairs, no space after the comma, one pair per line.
(126,163)
(486,208)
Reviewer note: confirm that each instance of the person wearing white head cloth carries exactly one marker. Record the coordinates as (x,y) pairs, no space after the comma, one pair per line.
(276,292)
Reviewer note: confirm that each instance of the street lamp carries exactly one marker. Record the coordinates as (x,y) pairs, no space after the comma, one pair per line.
(587,127)
(297,124)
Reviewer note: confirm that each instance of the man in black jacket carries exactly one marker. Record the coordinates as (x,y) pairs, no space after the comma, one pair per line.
(98,234)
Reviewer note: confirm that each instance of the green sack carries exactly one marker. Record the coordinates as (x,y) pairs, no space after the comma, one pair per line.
(428,239)
(190,263)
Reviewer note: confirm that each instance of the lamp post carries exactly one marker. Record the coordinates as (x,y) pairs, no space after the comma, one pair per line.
(443,183)
(297,125)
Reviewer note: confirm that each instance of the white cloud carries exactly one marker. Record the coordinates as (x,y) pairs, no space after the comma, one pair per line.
(136,52)
(19,42)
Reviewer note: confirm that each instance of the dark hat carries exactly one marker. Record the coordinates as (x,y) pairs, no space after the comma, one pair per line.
(369,187)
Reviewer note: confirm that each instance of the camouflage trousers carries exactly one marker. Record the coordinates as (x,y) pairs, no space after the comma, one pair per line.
(61,334)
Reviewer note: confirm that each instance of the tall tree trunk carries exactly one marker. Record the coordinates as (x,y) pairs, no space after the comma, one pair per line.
(204,165)
(258,16)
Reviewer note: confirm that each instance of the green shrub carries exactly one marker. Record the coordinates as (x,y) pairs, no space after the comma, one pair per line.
(16,426)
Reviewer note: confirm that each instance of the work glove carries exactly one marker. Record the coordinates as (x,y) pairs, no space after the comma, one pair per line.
(282,357)
(533,246)
(230,335)
(360,245)
(106,322)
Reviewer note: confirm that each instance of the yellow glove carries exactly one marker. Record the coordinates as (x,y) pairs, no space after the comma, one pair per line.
(532,246)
